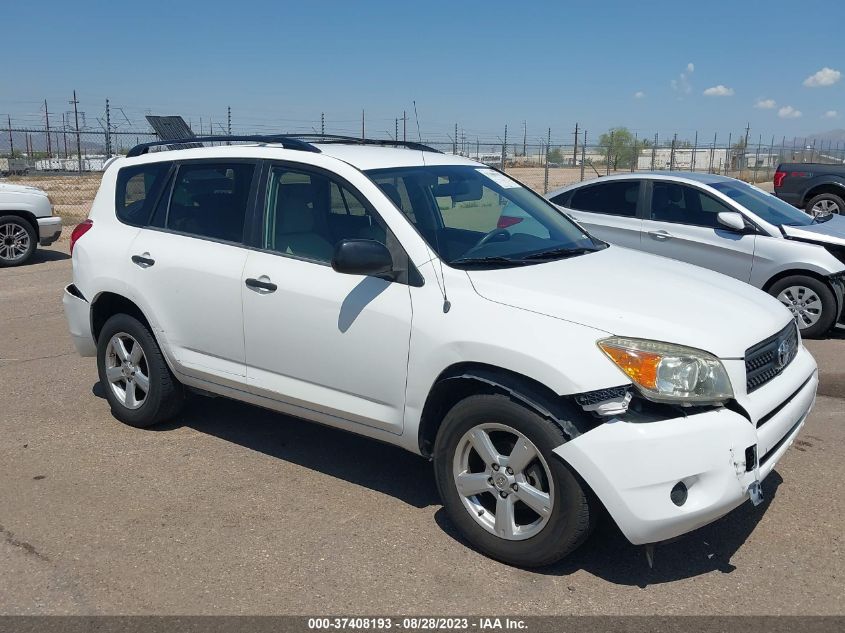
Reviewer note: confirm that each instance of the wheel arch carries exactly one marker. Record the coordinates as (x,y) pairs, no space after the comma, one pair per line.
(24,215)
(106,304)
(461,380)
(826,186)
(792,272)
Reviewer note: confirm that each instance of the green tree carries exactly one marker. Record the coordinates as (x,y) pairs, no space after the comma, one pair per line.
(555,156)
(617,147)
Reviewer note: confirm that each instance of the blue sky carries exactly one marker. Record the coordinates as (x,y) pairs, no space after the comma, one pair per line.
(479,64)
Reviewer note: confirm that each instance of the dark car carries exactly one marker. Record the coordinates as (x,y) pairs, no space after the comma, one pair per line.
(818,189)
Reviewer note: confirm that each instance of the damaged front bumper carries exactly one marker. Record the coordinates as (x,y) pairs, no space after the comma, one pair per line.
(716,459)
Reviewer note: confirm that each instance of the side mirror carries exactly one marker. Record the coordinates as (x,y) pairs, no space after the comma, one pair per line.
(731,220)
(362,257)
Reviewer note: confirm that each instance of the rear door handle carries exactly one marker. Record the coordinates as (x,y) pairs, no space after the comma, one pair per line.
(144,261)
(660,235)
(262,283)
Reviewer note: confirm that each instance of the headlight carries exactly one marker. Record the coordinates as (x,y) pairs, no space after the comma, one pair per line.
(664,372)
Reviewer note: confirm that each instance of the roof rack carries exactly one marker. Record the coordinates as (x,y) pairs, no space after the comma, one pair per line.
(355,140)
(285,140)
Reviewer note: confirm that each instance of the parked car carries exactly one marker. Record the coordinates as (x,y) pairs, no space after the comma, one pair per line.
(26,219)
(372,289)
(817,188)
(725,225)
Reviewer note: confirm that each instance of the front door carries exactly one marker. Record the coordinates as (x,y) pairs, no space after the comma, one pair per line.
(681,224)
(327,342)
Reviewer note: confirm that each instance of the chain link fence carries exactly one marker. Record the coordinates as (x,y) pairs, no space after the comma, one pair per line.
(68,165)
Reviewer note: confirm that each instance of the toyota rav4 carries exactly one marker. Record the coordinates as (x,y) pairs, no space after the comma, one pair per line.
(381,290)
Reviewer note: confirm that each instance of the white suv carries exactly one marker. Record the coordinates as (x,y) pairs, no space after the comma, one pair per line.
(377,289)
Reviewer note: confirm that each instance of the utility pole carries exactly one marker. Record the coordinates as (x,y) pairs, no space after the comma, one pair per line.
(455,140)
(583,154)
(363,133)
(228,123)
(404,126)
(575,150)
(672,153)
(505,147)
(546,161)
(694,150)
(396,129)
(64,132)
(729,153)
(653,151)
(75,102)
(322,123)
(609,154)
(108,130)
(524,139)
(635,157)
(11,140)
(712,152)
(47,119)
(744,162)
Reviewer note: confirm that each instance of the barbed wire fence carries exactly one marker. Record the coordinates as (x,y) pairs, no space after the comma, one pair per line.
(65,153)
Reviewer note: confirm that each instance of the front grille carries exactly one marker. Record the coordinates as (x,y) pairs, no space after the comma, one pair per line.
(769,358)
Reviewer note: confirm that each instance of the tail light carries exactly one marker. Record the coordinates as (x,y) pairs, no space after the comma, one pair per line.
(78,231)
(779,176)
(507,220)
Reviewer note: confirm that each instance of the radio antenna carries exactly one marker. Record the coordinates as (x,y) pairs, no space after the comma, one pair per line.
(447,305)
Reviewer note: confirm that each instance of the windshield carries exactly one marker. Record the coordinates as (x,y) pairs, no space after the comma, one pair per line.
(474,215)
(766,206)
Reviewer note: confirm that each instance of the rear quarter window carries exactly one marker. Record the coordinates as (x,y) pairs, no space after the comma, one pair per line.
(137,190)
(611,198)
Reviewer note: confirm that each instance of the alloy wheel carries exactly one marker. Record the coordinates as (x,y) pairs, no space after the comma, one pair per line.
(825,207)
(127,370)
(14,242)
(503,481)
(804,303)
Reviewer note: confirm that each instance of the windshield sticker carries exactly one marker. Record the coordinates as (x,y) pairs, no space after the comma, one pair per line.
(499,178)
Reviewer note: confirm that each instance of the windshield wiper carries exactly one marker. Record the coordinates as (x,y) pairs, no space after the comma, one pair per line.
(561,253)
(488,261)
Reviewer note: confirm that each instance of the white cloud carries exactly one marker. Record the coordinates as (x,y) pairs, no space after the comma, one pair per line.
(788,112)
(831,114)
(765,104)
(682,84)
(639,94)
(719,91)
(825,77)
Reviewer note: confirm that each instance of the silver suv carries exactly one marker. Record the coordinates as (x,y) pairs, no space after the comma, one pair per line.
(725,225)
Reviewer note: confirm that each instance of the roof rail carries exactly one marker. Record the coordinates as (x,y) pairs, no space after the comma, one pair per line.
(285,140)
(355,140)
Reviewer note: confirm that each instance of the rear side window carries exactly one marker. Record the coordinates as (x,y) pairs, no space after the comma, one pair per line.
(137,190)
(210,200)
(611,198)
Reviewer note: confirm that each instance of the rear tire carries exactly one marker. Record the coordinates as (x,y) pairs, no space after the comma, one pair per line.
(18,239)
(534,538)
(139,386)
(824,204)
(811,302)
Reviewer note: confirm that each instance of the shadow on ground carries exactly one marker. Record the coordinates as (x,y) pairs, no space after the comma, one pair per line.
(42,256)
(395,472)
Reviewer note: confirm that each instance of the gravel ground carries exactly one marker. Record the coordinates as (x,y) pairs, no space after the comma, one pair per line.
(234,510)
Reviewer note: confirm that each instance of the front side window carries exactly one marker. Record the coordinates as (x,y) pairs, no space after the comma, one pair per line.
(680,204)
(766,206)
(210,200)
(611,198)
(307,214)
(137,188)
(473,215)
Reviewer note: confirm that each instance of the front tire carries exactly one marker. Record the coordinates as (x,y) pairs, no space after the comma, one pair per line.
(825,204)
(17,241)
(811,302)
(502,487)
(139,386)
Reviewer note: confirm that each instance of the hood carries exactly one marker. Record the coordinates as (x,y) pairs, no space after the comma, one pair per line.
(10,188)
(830,231)
(629,293)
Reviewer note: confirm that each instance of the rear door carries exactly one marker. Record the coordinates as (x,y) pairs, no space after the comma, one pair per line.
(187,265)
(608,210)
(681,223)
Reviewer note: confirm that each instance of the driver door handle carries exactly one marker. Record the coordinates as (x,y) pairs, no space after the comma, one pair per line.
(261,284)
(660,235)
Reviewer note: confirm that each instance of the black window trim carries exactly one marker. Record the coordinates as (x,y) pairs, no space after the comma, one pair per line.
(256,237)
(638,210)
(170,183)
